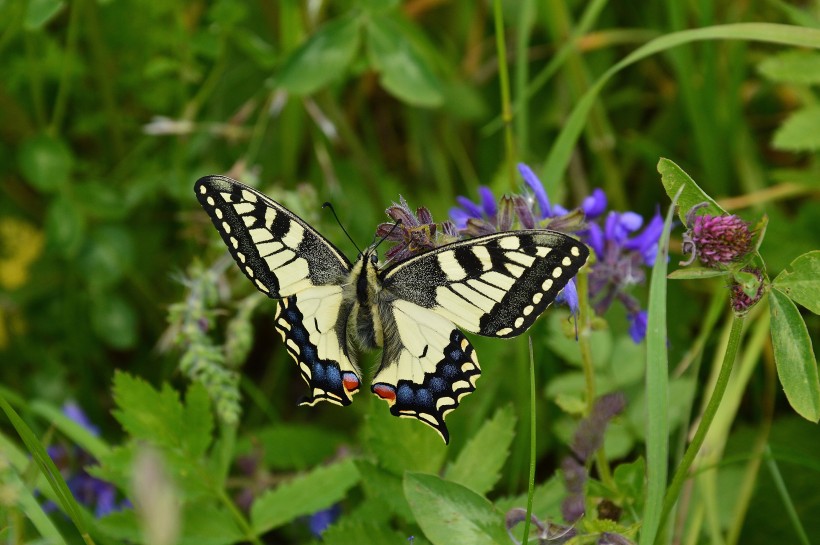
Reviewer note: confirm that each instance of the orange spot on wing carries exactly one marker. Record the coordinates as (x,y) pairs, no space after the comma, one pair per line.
(388,393)
(351,382)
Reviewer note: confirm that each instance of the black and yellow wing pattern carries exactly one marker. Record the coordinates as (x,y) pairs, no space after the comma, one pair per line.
(494,285)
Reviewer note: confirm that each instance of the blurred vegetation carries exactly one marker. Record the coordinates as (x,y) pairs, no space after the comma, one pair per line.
(110,110)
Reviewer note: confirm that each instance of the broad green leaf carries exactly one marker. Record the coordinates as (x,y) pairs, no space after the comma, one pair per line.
(478,466)
(794,357)
(695,273)
(630,478)
(45,162)
(404,72)
(801,67)
(385,487)
(314,491)
(674,178)
(388,437)
(202,524)
(801,281)
(323,58)
(799,131)
(40,12)
(451,513)
(357,532)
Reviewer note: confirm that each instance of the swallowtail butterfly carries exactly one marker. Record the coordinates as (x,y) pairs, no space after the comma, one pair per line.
(494,285)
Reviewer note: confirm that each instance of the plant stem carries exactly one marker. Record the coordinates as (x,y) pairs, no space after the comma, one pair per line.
(531,480)
(504,80)
(706,420)
(239,518)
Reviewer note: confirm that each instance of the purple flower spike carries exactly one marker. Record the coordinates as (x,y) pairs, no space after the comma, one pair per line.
(459,217)
(569,296)
(538,188)
(487,201)
(472,209)
(72,410)
(647,242)
(320,520)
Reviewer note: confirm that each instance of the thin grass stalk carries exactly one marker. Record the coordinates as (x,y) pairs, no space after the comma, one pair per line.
(504,82)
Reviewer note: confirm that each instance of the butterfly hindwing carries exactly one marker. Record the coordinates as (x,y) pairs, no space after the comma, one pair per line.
(313,326)
(495,285)
(276,249)
(428,365)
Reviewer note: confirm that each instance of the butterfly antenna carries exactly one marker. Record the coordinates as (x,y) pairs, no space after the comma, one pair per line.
(390,232)
(328,205)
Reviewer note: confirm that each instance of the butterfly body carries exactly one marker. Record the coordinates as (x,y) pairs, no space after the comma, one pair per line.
(495,285)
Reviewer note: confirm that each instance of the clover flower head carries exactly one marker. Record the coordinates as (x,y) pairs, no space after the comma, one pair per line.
(415,232)
(715,240)
(744,295)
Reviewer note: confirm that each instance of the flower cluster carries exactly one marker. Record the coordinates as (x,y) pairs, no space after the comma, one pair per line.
(623,245)
(715,240)
(88,490)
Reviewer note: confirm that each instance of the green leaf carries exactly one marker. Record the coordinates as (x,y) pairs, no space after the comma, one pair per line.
(801,281)
(478,466)
(323,58)
(115,321)
(40,12)
(160,418)
(308,445)
(404,72)
(799,131)
(451,513)
(30,507)
(801,67)
(45,162)
(674,178)
(794,357)
(199,421)
(304,495)
(388,437)
(630,479)
(46,465)
(546,499)
(695,273)
(65,227)
(385,487)
(356,532)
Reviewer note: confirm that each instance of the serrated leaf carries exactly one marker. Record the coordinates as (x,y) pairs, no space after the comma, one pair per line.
(304,495)
(799,132)
(323,58)
(145,413)
(794,357)
(388,437)
(404,72)
(199,421)
(451,513)
(673,178)
(801,281)
(695,273)
(478,466)
(356,532)
(801,67)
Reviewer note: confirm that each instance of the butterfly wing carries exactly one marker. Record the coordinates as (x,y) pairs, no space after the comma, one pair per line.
(287,259)
(428,365)
(495,285)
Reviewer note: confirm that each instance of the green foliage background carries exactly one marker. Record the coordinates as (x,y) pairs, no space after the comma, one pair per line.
(110,110)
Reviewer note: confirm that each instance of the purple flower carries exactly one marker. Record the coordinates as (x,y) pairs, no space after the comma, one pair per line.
(569,297)
(744,295)
(415,232)
(637,325)
(90,491)
(320,520)
(467,209)
(538,188)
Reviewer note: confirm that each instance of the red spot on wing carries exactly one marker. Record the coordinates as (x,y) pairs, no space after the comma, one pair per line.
(386,392)
(351,382)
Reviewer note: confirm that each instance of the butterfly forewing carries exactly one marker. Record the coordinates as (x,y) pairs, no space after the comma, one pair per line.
(495,285)
(277,250)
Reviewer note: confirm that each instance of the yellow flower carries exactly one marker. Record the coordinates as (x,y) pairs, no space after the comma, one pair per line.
(20,245)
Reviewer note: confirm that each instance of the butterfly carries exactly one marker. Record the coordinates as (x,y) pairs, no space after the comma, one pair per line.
(494,285)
